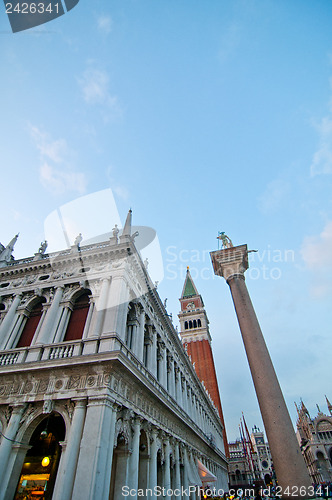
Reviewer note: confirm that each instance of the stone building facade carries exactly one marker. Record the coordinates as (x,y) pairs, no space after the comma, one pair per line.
(96,390)
(315,439)
(250,462)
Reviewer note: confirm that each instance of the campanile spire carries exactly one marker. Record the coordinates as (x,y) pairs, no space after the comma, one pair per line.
(196,339)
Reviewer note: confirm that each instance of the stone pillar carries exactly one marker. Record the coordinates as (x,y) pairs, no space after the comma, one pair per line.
(178,385)
(21,318)
(153,460)
(117,308)
(231,263)
(47,330)
(7,323)
(177,481)
(60,333)
(66,475)
(100,308)
(167,466)
(93,474)
(139,341)
(171,376)
(153,350)
(163,365)
(10,433)
(134,457)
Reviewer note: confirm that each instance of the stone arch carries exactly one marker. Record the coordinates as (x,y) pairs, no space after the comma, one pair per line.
(37,461)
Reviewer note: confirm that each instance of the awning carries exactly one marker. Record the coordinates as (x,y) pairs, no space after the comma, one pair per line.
(204,473)
(194,477)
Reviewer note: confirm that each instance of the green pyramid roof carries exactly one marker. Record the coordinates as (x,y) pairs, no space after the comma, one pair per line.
(189,289)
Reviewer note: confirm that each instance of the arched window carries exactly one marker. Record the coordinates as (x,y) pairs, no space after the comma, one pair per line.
(190,324)
(31,324)
(195,323)
(186,325)
(199,324)
(78,317)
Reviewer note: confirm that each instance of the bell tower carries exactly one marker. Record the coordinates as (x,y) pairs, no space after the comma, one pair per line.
(196,339)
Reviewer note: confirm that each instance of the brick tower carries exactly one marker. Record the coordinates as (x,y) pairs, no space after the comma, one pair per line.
(196,339)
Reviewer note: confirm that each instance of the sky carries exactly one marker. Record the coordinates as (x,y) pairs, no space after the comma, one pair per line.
(201,116)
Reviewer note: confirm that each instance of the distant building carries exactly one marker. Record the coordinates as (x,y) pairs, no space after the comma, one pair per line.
(96,390)
(315,439)
(250,462)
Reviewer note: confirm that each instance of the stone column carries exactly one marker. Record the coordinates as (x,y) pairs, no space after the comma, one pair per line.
(93,473)
(47,330)
(21,318)
(61,330)
(117,308)
(139,340)
(66,475)
(178,385)
(153,350)
(153,460)
(171,376)
(7,323)
(100,308)
(10,433)
(177,481)
(134,457)
(163,365)
(167,466)
(231,263)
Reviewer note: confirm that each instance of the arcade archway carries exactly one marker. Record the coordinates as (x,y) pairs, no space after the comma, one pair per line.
(41,462)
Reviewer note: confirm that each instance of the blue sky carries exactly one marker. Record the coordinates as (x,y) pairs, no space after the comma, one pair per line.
(202,117)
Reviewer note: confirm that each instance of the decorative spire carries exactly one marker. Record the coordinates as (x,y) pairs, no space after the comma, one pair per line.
(329,406)
(6,254)
(127,227)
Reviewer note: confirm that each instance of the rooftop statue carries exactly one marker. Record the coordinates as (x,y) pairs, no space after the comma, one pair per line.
(226,241)
(42,248)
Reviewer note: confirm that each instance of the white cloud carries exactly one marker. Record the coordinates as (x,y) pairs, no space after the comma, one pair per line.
(316,252)
(322,158)
(94,85)
(275,193)
(104,24)
(63,177)
(59,181)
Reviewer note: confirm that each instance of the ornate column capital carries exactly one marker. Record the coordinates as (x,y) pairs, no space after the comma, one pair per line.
(230,262)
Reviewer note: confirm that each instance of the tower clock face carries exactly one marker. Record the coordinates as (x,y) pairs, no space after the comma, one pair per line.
(190,306)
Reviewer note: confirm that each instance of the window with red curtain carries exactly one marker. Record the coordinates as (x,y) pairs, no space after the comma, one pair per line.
(31,326)
(78,318)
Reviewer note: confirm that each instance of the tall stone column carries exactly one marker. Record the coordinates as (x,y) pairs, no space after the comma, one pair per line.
(66,475)
(117,308)
(47,330)
(100,308)
(153,350)
(64,319)
(93,473)
(7,323)
(231,263)
(167,466)
(177,480)
(153,460)
(10,433)
(134,457)
(139,340)
(21,318)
